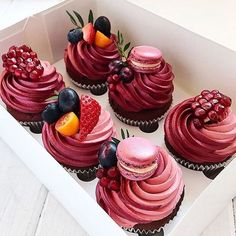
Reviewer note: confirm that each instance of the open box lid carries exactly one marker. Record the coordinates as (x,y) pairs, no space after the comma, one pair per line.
(39,32)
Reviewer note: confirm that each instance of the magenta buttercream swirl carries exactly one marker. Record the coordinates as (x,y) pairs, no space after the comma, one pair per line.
(69,151)
(145,91)
(30,96)
(140,202)
(211,144)
(90,60)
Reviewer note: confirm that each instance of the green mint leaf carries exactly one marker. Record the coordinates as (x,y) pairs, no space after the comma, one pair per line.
(72,18)
(126,46)
(90,17)
(115,140)
(127,133)
(118,35)
(56,92)
(122,133)
(52,98)
(122,39)
(80,19)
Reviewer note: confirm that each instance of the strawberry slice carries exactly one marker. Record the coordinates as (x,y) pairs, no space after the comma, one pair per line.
(89,33)
(90,111)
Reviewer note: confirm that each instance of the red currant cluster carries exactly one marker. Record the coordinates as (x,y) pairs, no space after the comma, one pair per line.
(210,107)
(109,178)
(22,62)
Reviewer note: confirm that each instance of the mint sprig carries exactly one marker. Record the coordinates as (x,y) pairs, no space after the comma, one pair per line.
(77,19)
(123,135)
(53,97)
(121,47)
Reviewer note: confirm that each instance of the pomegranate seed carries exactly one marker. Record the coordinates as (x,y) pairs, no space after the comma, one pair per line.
(39,69)
(19,52)
(214,91)
(11,61)
(219,108)
(34,74)
(206,106)
(29,60)
(11,54)
(194,105)
(113,172)
(226,101)
(22,65)
(197,98)
(30,66)
(25,55)
(25,75)
(19,60)
(199,112)
(197,123)
(205,92)
(25,48)
(36,61)
(101,172)
(104,181)
(18,72)
(33,55)
(208,96)
(212,115)
(4,57)
(214,101)
(13,68)
(12,48)
(218,96)
(202,100)
(114,185)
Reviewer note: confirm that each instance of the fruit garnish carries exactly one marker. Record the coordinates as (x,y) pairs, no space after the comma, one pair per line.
(68,124)
(68,100)
(107,154)
(22,62)
(88,33)
(115,66)
(75,35)
(109,179)
(126,74)
(51,113)
(101,40)
(103,25)
(122,49)
(89,114)
(210,107)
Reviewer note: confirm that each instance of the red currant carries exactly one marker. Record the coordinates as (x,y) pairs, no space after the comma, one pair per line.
(114,185)
(101,172)
(113,172)
(104,181)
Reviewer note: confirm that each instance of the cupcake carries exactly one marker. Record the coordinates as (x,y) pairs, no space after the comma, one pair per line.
(143,189)
(26,84)
(90,49)
(74,130)
(201,131)
(140,89)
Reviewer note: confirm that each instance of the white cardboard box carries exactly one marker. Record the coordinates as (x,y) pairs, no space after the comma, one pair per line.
(46,33)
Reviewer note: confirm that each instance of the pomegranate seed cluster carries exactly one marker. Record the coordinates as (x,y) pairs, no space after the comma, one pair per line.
(109,178)
(210,107)
(22,62)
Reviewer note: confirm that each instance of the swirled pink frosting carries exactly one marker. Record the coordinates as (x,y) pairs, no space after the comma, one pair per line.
(69,151)
(140,202)
(211,144)
(145,91)
(29,96)
(90,60)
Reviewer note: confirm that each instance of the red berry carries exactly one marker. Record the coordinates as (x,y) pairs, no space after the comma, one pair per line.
(206,106)
(116,77)
(39,69)
(208,96)
(34,74)
(194,105)
(199,112)
(25,55)
(109,79)
(113,172)
(205,92)
(18,72)
(197,98)
(114,185)
(226,101)
(198,123)
(101,172)
(112,87)
(202,100)
(30,66)
(219,108)
(212,115)
(104,181)
(90,111)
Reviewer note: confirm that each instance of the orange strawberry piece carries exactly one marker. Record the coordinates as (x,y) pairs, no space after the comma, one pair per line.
(68,124)
(101,40)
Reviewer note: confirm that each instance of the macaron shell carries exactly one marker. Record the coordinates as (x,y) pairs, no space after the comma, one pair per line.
(146,53)
(137,151)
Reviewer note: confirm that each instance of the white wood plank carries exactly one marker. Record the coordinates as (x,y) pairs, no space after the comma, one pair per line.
(21,196)
(55,220)
(223,225)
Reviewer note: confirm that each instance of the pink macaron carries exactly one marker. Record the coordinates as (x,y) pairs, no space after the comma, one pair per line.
(145,59)
(137,158)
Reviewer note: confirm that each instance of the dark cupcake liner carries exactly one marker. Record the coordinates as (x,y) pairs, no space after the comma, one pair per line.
(159,231)
(98,89)
(83,174)
(34,126)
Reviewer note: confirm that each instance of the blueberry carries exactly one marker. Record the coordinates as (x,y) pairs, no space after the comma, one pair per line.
(68,100)
(115,66)
(126,74)
(51,113)
(103,25)
(75,35)
(107,154)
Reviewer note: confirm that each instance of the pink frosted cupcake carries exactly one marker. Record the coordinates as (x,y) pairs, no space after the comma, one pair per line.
(143,192)
(75,136)
(26,84)
(201,131)
(90,49)
(140,90)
